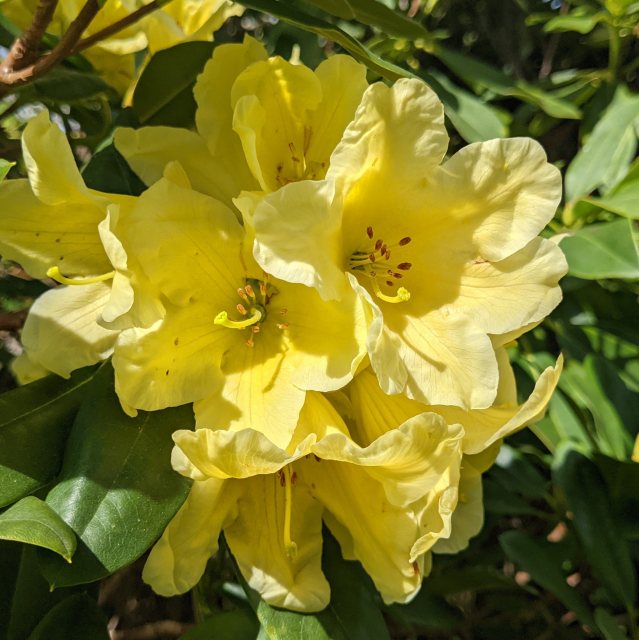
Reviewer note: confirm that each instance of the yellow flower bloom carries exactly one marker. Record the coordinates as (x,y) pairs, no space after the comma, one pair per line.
(261,123)
(363,493)
(241,345)
(53,225)
(445,255)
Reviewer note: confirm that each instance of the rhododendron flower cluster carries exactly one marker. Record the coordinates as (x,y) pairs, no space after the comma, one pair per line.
(332,293)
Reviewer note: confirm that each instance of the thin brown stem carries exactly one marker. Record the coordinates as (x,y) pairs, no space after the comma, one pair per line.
(119,25)
(64,48)
(24,49)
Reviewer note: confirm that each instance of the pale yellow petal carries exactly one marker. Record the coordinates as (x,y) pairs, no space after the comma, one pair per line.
(177,561)
(283,578)
(62,333)
(271,100)
(24,370)
(396,138)
(380,534)
(502,191)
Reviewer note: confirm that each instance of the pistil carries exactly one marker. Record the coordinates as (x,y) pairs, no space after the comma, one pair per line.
(287,478)
(54,274)
(223,320)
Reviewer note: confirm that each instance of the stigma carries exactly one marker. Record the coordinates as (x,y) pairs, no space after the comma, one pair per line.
(55,274)
(375,263)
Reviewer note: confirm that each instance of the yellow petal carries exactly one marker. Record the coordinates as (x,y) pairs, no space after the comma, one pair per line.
(62,333)
(397,137)
(174,362)
(177,561)
(514,292)
(148,150)
(271,101)
(380,534)
(407,461)
(343,82)
(283,579)
(503,191)
(25,370)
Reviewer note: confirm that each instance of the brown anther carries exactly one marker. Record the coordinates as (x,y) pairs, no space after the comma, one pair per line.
(283,311)
(371,257)
(369,232)
(378,245)
(384,249)
(241,308)
(404,266)
(282,477)
(397,275)
(249,291)
(242,294)
(389,283)
(390,272)
(293,478)
(282,325)
(316,458)
(255,328)
(249,343)
(387,254)
(262,288)
(404,241)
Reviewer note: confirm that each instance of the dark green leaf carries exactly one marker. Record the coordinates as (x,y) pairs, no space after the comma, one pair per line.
(32,521)
(293,15)
(9,566)
(428,612)
(5,167)
(117,490)
(536,558)
(164,93)
(228,625)
(605,250)
(67,85)
(34,426)
(108,171)
(608,626)
(587,498)
(76,618)
(581,20)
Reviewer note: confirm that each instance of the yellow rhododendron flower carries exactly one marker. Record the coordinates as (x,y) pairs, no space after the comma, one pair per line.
(446,255)
(53,225)
(243,346)
(262,122)
(363,493)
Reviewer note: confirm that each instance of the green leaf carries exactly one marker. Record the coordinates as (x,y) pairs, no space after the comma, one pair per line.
(76,618)
(608,626)
(34,426)
(228,625)
(117,490)
(537,558)
(587,498)
(591,165)
(67,86)
(352,613)
(32,521)
(479,74)
(374,14)
(605,250)
(108,171)
(5,167)
(9,566)
(581,20)
(427,611)
(474,120)
(295,16)
(623,199)
(164,93)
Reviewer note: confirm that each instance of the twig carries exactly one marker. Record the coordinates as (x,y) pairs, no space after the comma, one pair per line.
(24,49)
(118,26)
(12,320)
(56,55)
(551,49)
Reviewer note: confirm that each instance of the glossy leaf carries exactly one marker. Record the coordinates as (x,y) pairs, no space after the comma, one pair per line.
(108,171)
(117,490)
(34,424)
(164,92)
(32,521)
(76,618)
(536,558)
(228,625)
(624,198)
(605,250)
(590,166)
(68,85)
(292,14)
(474,120)
(608,626)
(588,500)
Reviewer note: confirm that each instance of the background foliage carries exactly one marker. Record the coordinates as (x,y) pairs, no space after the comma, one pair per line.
(559,551)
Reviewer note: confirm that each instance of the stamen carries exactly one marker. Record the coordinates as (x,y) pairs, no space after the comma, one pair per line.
(369,232)
(282,325)
(249,291)
(403,295)
(404,241)
(242,294)
(241,308)
(222,319)
(404,266)
(54,274)
(289,545)
(378,245)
